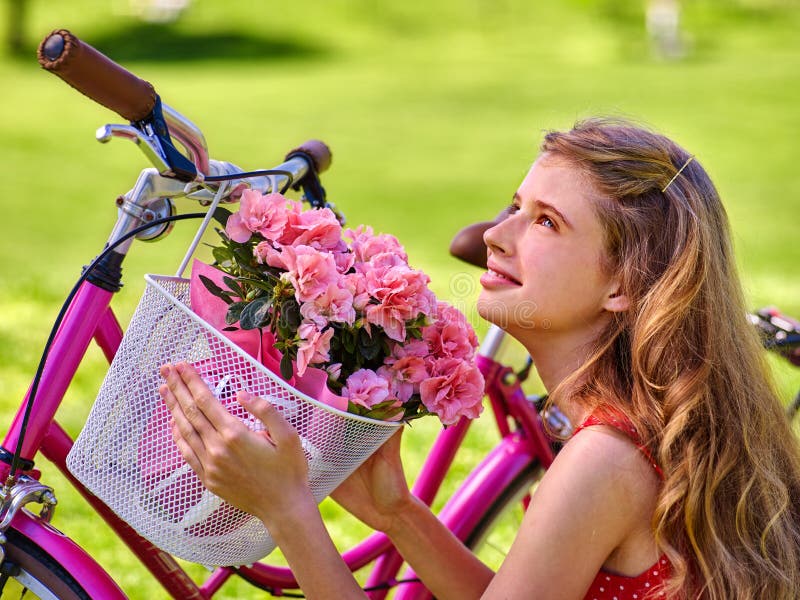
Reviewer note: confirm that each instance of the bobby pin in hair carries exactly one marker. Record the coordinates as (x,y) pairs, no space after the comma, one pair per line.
(688,160)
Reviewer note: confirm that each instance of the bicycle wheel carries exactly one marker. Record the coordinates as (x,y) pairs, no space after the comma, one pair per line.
(492,536)
(29,572)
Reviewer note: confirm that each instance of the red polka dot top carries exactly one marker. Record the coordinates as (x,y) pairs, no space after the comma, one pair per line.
(611,586)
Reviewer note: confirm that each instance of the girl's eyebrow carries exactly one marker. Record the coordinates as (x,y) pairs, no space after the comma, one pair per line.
(549,207)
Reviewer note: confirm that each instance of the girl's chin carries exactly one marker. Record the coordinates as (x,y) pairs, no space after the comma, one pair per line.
(493,311)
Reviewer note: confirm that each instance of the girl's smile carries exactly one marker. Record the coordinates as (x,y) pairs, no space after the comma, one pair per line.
(496,278)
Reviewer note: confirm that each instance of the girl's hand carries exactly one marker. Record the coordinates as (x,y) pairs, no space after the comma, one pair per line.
(377,491)
(263,473)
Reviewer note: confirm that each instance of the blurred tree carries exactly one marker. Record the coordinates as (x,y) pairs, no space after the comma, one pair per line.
(15,35)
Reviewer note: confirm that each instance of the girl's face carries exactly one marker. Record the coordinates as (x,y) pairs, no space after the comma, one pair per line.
(544,273)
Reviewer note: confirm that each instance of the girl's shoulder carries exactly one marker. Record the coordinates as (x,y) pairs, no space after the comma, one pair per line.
(605,458)
(617,421)
(599,451)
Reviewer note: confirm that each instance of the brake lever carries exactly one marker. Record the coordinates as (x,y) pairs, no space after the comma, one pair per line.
(151,135)
(148,147)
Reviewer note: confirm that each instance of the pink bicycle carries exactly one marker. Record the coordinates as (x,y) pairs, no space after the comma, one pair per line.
(36,559)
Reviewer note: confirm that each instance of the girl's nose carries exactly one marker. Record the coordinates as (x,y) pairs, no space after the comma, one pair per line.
(497,239)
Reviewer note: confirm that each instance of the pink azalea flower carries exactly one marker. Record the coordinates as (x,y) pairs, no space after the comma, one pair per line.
(366,244)
(450,335)
(366,388)
(453,390)
(317,228)
(334,304)
(265,253)
(309,271)
(358,287)
(313,347)
(266,215)
(334,371)
(293,211)
(410,348)
(344,260)
(402,294)
(405,375)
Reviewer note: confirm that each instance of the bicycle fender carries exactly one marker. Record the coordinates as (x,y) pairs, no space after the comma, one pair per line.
(86,571)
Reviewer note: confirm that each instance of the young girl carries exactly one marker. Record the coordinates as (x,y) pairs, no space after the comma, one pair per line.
(614,268)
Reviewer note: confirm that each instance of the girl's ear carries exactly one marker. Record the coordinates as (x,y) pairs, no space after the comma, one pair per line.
(616,301)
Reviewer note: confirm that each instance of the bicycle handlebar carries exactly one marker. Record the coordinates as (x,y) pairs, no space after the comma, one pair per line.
(317,151)
(96,76)
(111,85)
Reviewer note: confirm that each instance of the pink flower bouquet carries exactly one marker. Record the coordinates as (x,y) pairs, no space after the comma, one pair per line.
(345,303)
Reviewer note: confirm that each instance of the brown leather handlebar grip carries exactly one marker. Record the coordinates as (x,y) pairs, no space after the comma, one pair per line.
(318,151)
(96,76)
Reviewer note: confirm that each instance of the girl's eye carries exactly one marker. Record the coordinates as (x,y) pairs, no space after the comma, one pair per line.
(546,222)
(512,208)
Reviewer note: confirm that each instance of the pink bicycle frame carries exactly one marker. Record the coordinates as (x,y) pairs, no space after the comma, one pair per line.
(90,317)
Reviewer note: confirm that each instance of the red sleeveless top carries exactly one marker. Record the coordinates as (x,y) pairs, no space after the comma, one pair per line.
(610,586)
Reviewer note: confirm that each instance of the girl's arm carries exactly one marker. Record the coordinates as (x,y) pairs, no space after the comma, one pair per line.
(255,471)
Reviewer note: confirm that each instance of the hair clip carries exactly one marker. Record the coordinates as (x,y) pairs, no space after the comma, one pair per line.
(688,160)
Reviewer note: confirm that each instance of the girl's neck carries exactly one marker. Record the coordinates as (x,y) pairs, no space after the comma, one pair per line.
(556,356)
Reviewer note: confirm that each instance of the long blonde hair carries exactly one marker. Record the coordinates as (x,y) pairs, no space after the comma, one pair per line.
(686,367)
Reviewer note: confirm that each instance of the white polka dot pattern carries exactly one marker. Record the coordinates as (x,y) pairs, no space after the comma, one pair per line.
(609,586)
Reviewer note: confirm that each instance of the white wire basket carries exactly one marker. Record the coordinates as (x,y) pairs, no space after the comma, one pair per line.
(125,454)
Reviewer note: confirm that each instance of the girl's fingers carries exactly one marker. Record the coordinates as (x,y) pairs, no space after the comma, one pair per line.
(181,425)
(208,404)
(186,399)
(186,450)
(279,430)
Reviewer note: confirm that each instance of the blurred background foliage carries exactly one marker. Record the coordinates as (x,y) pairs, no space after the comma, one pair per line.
(434,111)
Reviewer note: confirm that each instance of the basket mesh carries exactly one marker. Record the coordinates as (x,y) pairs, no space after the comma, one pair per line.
(125,454)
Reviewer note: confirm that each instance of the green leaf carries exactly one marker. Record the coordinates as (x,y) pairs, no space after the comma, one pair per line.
(214,289)
(234,286)
(247,267)
(267,286)
(384,410)
(234,312)
(290,314)
(221,215)
(222,255)
(243,254)
(349,341)
(256,313)
(369,347)
(286,366)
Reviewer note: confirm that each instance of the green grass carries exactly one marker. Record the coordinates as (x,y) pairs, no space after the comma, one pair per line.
(433,112)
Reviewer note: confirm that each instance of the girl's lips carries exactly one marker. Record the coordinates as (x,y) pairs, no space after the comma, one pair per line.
(494,278)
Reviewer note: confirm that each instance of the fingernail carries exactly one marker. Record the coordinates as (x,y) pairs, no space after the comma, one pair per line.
(162,391)
(180,367)
(244,396)
(165,371)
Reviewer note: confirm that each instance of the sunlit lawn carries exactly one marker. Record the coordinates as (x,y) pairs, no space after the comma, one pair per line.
(433,114)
